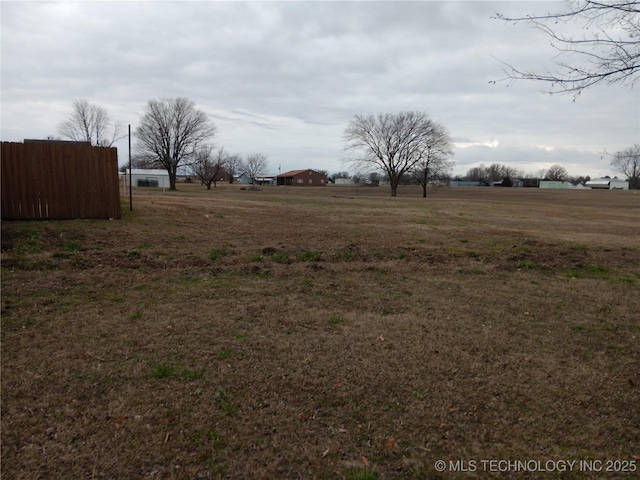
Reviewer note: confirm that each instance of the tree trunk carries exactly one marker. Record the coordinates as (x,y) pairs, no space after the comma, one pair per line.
(424,190)
(394,189)
(172,182)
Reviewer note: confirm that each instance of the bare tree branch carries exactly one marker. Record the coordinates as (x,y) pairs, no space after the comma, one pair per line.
(607,53)
(91,123)
(627,162)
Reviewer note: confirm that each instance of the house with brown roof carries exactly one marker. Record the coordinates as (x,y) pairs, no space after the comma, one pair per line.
(302,178)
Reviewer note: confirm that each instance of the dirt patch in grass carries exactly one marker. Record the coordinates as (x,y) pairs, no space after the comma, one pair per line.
(322,333)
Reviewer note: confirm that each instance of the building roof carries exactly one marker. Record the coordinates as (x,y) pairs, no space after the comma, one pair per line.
(599,181)
(148,171)
(293,173)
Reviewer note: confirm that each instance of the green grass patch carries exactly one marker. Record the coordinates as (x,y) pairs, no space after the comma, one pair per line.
(224,400)
(32,244)
(625,279)
(578,327)
(165,371)
(361,474)
(280,257)
(526,265)
(133,254)
(596,272)
(218,253)
(224,353)
(336,319)
(71,247)
(309,256)
(191,375)
(605,310)
(346,255)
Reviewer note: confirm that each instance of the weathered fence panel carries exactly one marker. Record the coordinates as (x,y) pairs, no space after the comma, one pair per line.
(59,180)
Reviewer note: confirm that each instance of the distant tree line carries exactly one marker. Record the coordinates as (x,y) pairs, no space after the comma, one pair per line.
(625,161)
(497,172)
(394,148)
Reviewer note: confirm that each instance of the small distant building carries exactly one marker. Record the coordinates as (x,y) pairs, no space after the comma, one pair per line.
(608,184)
(553,184)
(147,178)
(303,178)
(343,181)
(245,179)
(463,183)
(266,180)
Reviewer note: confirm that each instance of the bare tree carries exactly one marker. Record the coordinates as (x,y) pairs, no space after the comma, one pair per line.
(608,51)
(435,164)
(209,166)
(171,132)
(256,165)
(234,165)
(359,178)
(557,173)
(142,162)
(391,142)
(91,123)
(627,161)
(340,175)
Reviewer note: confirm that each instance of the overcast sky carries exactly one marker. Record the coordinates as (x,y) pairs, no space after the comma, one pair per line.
(285,78)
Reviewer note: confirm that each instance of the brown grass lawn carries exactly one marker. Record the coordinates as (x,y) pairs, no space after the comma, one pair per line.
(324,333)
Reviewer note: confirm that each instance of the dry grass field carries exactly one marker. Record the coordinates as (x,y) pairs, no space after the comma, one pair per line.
(324,333)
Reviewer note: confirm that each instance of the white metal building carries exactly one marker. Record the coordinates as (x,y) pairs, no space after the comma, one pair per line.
(553,184)
(147,178)
(608,184)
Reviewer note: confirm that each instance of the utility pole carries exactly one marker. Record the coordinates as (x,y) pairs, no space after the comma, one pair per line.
(130,190)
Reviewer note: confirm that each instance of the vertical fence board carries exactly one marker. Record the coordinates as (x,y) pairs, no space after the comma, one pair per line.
(53,180)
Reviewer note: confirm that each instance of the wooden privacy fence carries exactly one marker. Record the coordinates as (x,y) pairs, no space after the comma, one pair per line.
(57,180)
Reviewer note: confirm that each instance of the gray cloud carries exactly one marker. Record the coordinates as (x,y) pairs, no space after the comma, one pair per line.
(284,78)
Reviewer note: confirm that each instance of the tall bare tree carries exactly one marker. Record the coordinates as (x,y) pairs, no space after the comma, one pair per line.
(435,165)
(171,132)
(91,123)
(627,161)
(209,166)
(557,172)
(256,165)
(234,166)
(608,51)
(391,142)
